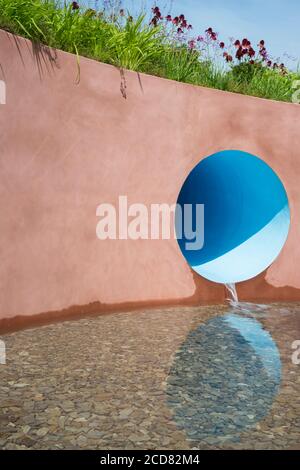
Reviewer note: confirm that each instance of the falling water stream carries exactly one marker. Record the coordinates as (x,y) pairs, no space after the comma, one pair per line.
(244,308)
(233,297)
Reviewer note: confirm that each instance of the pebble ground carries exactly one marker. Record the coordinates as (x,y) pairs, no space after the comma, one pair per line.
(107,382)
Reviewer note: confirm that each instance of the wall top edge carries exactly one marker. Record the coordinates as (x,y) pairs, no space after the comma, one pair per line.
(175,83)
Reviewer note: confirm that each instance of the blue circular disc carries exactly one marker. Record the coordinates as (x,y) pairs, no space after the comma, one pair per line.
(232,217)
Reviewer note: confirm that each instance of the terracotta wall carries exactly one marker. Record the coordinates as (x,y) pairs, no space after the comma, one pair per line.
(66,147)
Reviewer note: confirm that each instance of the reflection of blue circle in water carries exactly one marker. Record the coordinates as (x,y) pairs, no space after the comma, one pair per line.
(246,216)
(224,378)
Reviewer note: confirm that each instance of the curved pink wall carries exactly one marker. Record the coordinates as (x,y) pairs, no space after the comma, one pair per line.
(67,147)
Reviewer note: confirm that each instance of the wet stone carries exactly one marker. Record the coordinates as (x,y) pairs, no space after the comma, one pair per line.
(172,378)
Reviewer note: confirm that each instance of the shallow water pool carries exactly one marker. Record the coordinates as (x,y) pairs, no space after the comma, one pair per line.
(176,378)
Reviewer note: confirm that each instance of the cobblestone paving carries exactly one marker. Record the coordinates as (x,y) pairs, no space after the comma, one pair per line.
(108,383)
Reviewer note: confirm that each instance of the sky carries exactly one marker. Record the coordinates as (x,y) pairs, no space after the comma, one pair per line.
(275,21)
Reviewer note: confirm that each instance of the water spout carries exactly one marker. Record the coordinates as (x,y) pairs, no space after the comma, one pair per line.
(243,308)
(233,297)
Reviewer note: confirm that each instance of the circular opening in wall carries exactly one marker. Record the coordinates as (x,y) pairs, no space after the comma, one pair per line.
(232,217)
